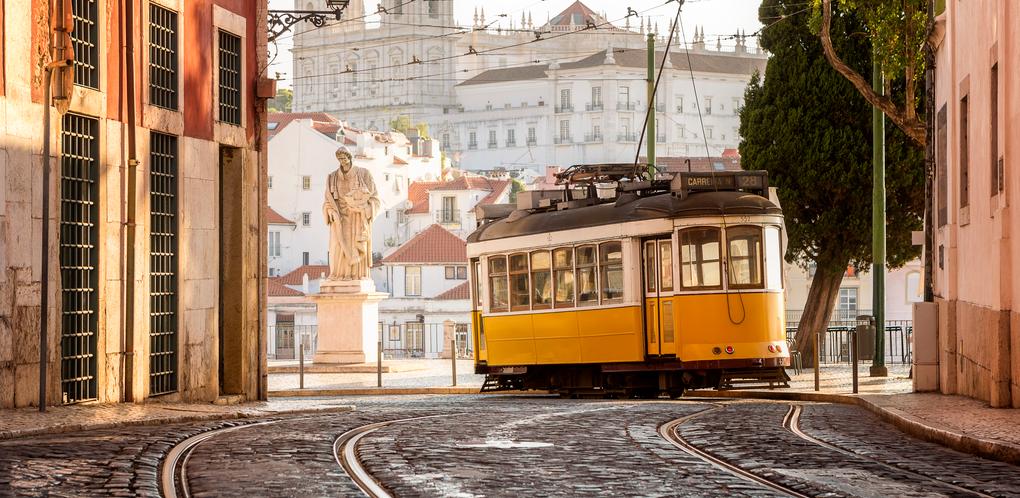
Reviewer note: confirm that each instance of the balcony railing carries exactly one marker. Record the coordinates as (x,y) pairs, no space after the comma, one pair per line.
(562,139)
(511,143)
(564,108)
(625,106)
(660,138)
(626,137)
(597,106)
(532,141)
(448,217)
(492,145)
(472,145)
(593,137)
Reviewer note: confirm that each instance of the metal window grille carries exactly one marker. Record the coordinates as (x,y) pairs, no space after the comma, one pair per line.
(85,41)
(163,265)
(79,215)
(162,57)
(230,78)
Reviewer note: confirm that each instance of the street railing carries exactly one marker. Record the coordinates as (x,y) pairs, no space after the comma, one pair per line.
(424,340)
(834,342)
(284,341)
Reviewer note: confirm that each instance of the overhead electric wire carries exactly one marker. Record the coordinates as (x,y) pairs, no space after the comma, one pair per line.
(655,89)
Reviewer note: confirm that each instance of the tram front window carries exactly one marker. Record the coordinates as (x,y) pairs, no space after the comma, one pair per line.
(611,259)
(744,256)
(519,292)
(587,288)
(699,258)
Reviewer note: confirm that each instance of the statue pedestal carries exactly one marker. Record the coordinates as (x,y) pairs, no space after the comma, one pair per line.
(348,316)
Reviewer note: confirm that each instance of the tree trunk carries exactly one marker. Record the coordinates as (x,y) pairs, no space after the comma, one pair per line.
(817,310)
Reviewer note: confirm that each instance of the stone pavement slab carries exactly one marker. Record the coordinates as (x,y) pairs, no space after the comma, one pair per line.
(22,422)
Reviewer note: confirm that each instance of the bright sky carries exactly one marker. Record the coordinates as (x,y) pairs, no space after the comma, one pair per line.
(718,17)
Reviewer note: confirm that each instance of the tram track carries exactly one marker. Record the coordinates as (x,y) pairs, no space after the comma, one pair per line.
(791,422)
(345,451)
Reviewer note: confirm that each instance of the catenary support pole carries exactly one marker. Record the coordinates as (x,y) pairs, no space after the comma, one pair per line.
(878,368)
(301,363)
(818,358)
(650,133)
(378,362)
(453,359)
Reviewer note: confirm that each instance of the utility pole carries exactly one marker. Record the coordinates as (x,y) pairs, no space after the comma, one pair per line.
(878,368)
(650,125)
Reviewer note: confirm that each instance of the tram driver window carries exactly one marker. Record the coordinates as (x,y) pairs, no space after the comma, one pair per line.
(587,288)
(541,281)
(611,268)
(563,276)
(744,256)
(519,291)
(700,266)
(497,284)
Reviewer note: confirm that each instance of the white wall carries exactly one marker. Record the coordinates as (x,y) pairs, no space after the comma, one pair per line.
(899,296)
(433,280)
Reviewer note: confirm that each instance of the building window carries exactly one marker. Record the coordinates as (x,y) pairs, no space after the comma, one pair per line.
(744,256)
(446,139)
(679,104)
(472,140)
(708,132)
(736,106)
(274,244)
(520,293)
(541,280)
(532,136)
(846,307)
(230,78)
(964,152)
(412,280)
(563,277)
(306,183)
(85,42)
(162,57)
(708,105)
(565,100)
(700,258)
(564,130)
(163,279)
(997,180)
(449,210)
(306,219)
(498,295)
(492,139)
(270,184)
(587,276)
(623,97)
(451,272)
(433,8)
(304,258)
(915,289)
(398,6)
(511,137)
(596,98)
(461,273)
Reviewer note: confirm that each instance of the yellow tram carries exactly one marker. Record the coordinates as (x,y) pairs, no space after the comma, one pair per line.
(657,287)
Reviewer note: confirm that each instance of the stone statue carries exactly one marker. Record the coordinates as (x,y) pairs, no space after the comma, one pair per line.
(351,204)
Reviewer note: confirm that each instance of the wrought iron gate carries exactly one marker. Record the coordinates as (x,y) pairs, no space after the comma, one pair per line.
(163,264)
(79,236)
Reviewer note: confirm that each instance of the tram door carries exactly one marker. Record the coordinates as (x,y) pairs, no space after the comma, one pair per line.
(658,279)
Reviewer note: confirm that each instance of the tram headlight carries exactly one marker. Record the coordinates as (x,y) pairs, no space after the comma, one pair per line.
(729,349)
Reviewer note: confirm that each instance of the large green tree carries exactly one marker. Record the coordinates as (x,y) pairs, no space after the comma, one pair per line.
(810,129)
(282,102)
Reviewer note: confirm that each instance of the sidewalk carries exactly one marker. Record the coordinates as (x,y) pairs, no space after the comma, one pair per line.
(22,422)
(433,375)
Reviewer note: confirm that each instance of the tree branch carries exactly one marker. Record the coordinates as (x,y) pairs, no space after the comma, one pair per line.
(913,128)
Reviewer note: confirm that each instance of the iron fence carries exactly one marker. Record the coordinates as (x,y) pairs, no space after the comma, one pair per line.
(834,342)
(424,340)
(285,340)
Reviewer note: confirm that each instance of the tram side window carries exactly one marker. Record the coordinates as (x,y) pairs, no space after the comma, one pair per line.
(611,269)
(744,256)
(476,286)
(519,291)
(541,280)
(650,266)
(563,276)
(587,287)
(497,284)
(700,266)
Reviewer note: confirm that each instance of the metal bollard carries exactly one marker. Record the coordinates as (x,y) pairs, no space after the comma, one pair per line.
(378,363)
(301,365)
(818,358)
(453,359)
(855,344)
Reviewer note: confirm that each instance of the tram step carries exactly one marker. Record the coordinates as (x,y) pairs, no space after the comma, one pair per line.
(754,378)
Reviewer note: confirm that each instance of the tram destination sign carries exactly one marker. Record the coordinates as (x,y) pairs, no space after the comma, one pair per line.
(756,182)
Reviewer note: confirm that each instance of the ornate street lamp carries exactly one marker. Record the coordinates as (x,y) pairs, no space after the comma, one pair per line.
(280,21)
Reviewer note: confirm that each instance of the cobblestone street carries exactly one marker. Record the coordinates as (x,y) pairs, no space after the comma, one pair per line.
(510,445)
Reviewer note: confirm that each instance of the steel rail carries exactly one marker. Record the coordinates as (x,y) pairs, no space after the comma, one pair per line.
(345,451)
(171,473)
(669,432)
(791,422)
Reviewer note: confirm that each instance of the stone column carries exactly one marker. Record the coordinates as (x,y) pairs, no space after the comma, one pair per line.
(348,316)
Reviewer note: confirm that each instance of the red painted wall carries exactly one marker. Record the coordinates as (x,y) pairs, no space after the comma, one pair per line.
(196,64)
(2,51)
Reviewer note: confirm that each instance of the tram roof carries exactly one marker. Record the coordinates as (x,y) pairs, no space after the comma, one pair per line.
(645,208)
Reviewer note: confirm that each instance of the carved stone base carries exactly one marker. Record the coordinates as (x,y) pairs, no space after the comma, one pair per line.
(348,317)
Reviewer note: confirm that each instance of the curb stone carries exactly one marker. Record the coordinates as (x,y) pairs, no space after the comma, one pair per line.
(62,429)
(914,426)
(399,391)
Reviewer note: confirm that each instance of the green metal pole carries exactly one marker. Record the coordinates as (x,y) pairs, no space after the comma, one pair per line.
(878,368)
(650,133)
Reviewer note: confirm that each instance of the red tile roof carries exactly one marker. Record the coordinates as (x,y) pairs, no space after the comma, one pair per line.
(296,277)
(282,119)
(398,160)
(274,218)
(462,291)
(435,244)
(418,194)
(275,288)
